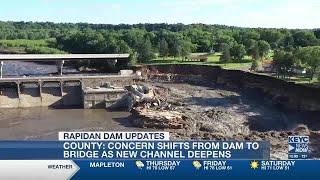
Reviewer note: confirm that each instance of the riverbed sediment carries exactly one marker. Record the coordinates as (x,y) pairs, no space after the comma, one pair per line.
(218,112)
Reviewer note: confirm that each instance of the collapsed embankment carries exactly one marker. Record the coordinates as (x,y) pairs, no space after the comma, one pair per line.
(218,104)
(281,93)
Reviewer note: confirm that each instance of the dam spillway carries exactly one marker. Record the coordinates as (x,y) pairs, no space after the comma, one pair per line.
(58,91)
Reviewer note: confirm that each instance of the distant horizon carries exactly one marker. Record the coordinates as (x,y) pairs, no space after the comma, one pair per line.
(286,14)
(158,23)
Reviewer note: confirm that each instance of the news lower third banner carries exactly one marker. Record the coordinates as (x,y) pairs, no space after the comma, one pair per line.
(88,155)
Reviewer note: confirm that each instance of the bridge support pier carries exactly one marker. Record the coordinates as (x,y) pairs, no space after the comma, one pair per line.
(18,90)
(61,88)
(1,66)
(40,89)
(60,66)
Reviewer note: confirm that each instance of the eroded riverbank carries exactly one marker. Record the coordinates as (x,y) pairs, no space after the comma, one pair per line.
(217,112)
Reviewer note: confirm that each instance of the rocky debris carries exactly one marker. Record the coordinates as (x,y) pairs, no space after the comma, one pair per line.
(137,94)
(149,109)
(218,114)
(189,108)
(151,118)
(222,120)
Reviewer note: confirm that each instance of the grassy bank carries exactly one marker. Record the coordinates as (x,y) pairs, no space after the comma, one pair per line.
(213,60)
(41,46)
(244,65)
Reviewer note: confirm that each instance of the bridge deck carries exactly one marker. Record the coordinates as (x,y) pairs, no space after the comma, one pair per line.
(57,57)
(60,58)
(64,78)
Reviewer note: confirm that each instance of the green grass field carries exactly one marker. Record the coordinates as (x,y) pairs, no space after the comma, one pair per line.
(213,60)
(41,46)
(24,42)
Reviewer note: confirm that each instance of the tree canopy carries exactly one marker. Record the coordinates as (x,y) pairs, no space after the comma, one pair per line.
(161,39)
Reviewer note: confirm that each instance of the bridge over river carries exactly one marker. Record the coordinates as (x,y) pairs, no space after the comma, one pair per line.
(61,58)
(63,90)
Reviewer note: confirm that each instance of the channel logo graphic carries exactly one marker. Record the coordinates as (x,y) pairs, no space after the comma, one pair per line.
(298,147)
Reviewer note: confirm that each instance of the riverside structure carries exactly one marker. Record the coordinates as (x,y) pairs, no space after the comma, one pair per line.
(88,91)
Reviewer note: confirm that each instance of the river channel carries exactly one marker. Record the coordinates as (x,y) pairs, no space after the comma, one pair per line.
(45,123)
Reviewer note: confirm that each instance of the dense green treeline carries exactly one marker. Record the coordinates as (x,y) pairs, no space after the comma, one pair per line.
(146,41)
(203,36)
(178,37)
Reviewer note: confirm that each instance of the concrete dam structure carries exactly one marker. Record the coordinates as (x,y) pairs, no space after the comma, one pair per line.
(80,90)
(65,91)
(40,94)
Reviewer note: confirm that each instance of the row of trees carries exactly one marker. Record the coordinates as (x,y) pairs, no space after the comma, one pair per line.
(142,44)
(145,45)
(235,52)
(165,39)
(307,58)
(293,48)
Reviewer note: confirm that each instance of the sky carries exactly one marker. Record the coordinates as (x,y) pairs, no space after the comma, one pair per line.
(244,13)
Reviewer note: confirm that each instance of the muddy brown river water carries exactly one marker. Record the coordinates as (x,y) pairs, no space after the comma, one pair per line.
(44,123)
